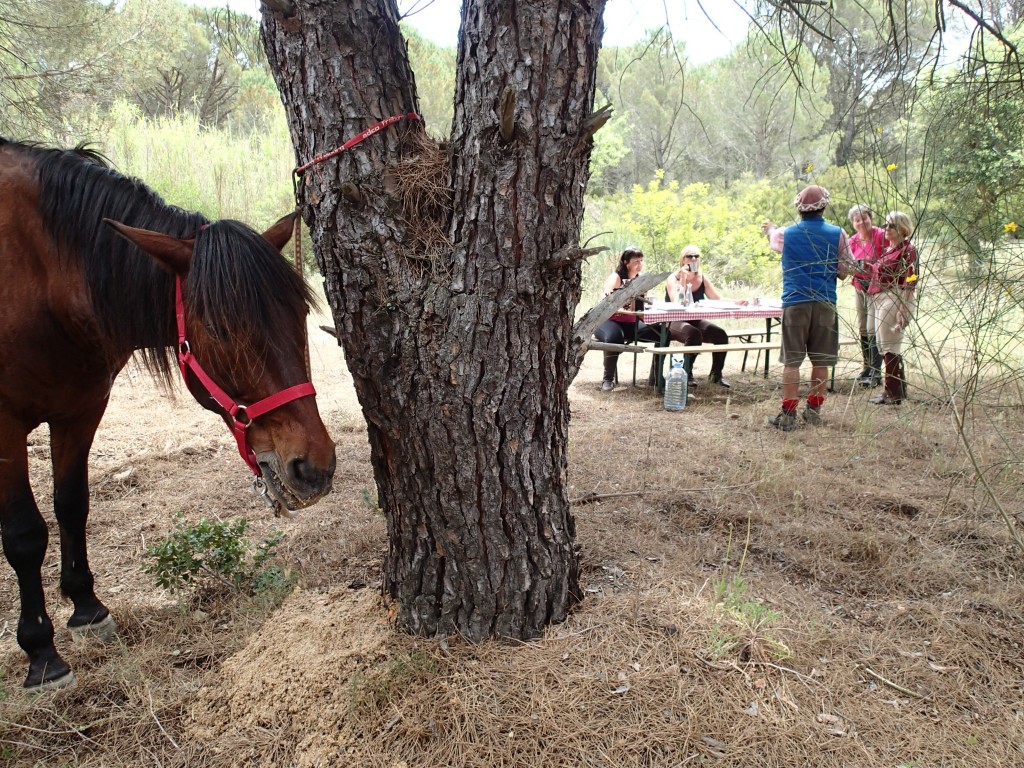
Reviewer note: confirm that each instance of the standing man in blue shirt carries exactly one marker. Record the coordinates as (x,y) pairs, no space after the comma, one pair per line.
(814,255)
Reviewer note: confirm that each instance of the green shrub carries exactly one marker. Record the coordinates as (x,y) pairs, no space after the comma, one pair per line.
(216,553)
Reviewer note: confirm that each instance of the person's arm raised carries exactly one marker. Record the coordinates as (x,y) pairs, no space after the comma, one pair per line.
(847,266)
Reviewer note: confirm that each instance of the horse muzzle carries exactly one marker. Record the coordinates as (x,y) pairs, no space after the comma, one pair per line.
(295,484)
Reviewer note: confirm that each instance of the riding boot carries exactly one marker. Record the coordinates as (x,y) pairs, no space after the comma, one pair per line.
(902,374)
(875,377)
(865,352)
(611,361)
(688,361)
(892,394)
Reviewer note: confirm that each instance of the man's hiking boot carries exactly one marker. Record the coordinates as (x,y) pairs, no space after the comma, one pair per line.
(812,416)
(786,421)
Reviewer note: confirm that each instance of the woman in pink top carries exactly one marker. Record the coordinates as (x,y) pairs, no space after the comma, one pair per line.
(867,244)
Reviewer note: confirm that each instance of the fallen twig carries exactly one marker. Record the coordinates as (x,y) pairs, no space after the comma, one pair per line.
(587,498)
(156,719)
(891,684)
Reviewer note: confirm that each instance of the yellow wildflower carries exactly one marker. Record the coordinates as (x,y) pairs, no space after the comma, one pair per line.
(809,167)
(912,279)
(1011,227)
(890,167)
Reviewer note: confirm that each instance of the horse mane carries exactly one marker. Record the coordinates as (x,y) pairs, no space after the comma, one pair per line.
(243,289)
(238,285)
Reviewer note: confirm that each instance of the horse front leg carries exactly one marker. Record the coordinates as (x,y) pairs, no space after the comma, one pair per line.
(25,538)
(70,442)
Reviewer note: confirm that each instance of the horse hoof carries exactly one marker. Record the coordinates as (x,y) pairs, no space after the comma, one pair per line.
(104,631)
(63,681)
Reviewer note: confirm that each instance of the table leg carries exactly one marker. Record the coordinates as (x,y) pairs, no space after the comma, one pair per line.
(767,337)
(660,375)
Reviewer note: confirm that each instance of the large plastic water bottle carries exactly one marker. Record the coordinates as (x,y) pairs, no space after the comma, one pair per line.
(688,297)
(675,388)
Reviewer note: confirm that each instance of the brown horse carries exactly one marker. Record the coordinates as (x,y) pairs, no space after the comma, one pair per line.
(78,297)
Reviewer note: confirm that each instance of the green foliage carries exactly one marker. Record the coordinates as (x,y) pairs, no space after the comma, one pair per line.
(435,81)
(245,176)
(60,59)
(975,129)
(745,625)
(662,218)
(610,149)
(216,553)
(370,500)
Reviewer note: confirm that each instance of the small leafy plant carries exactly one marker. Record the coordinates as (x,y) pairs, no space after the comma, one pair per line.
(746,625)
(216,553)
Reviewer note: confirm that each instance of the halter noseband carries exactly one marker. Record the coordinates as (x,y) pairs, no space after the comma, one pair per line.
(240,416)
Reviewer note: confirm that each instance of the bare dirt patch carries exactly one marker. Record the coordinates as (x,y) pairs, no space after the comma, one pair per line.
(840,596)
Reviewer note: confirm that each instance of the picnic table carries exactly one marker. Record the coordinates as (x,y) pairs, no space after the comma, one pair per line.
(668,312)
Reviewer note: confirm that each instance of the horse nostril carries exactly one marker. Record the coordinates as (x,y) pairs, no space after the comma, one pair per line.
(301,472)
(305,474)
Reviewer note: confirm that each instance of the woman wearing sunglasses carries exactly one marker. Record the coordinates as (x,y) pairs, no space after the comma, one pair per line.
(694,332)
(891,303)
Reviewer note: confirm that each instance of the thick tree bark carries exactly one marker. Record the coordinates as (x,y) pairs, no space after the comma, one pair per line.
(454,304)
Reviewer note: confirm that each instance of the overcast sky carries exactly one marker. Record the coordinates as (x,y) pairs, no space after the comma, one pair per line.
(625,21)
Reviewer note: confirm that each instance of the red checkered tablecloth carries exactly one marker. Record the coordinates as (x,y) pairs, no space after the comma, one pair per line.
(670,313)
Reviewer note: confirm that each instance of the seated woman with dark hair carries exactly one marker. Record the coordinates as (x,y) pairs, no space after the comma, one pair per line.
(622,327)
(696,332)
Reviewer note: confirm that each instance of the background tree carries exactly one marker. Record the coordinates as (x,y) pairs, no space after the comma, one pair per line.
(648,82)
(974,129)
(61,58)
(435,67)
(755,118)
(212,52)
(870,54)
(453,279)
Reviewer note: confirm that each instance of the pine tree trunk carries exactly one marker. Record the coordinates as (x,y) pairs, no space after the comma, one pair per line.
(455,308)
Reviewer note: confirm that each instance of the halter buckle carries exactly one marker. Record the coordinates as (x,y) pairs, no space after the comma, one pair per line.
(260,486)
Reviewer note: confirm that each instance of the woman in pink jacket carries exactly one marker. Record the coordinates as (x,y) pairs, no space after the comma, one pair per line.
(867,244)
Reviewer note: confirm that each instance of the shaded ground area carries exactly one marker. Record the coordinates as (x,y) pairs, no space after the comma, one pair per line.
(840,596)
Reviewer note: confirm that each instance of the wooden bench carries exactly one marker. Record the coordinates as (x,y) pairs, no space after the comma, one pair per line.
(756,346)
(698,349)
(633,348)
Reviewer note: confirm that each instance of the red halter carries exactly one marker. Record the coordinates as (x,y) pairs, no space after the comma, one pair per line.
(241,415)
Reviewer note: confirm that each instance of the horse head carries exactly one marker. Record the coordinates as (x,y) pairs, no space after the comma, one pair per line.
(242,347)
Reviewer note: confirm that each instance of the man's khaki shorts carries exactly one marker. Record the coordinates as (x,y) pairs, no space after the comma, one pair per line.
(809,330)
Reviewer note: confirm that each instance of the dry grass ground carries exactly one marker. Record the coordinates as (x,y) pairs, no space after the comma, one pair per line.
(841,596)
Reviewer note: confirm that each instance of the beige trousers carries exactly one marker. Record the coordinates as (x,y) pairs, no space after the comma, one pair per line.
(882,313)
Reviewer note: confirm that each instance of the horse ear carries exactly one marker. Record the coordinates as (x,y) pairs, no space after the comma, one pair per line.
(280,231)
(172,254)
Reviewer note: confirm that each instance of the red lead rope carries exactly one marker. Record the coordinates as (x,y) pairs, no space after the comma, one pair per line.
(241,416)
(356,139)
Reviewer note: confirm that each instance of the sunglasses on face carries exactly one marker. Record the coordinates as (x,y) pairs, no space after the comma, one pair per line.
(691,256)
(890,225)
